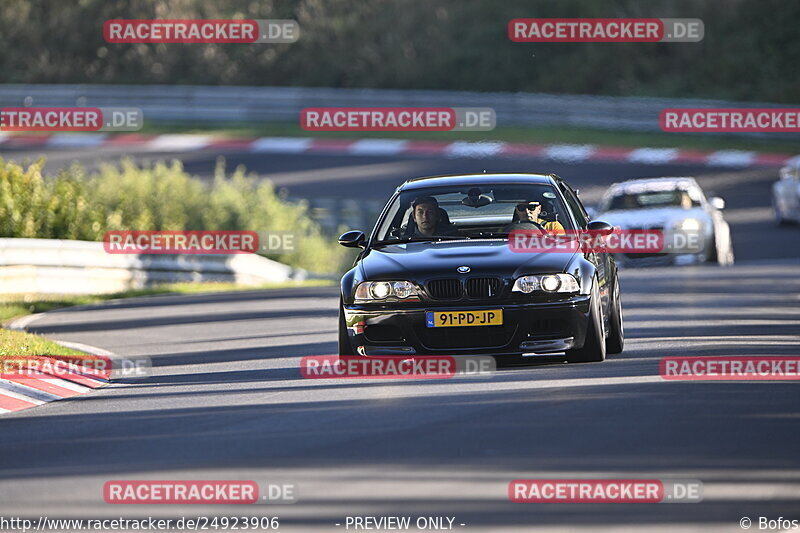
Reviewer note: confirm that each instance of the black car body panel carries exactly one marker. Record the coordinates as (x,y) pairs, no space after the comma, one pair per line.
(533,323)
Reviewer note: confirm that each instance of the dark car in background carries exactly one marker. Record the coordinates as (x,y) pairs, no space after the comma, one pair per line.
(437,275)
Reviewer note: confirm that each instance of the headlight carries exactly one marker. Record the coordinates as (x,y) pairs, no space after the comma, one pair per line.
(376,291)
(546,283)
(689,224)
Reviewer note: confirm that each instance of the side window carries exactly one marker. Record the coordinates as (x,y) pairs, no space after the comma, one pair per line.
(575,206)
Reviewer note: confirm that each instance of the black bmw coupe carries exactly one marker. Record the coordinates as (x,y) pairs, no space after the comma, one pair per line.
(437,276)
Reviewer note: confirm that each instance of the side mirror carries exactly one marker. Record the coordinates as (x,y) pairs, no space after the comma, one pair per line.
(603,228)
(353,239)
(717,203)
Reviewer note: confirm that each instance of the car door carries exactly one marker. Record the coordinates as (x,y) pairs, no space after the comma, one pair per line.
(602,261)
(792,192)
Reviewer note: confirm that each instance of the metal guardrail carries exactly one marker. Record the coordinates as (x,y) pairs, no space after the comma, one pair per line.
(50,266)
(183,103)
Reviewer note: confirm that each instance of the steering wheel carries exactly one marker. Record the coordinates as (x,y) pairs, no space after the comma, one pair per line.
(523,225)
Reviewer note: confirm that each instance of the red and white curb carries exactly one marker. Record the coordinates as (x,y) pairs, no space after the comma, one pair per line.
(23,392)
(570,153)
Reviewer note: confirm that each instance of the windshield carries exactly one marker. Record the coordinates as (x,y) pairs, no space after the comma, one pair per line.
(649,200)
(472,212)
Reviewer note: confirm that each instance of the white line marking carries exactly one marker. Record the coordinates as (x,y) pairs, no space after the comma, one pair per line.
(179,142)
(24,321)
(281,145)
(378,147)
(19,396)
(569,152)
(29,392)
(731,158)
(653,156)
(93,350)
(473,149)
(76,140)
(64,384)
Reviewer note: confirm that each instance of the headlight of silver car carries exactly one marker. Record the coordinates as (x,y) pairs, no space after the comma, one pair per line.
(564,283)
(689,224)
(380,291)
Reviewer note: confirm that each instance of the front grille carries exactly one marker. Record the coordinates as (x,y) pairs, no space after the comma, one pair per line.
(483,287)
(445,289)
(654,227)
(466,337)
(644,255)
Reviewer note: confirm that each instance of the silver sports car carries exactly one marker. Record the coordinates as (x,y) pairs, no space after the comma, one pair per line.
(676,206)
(786,194)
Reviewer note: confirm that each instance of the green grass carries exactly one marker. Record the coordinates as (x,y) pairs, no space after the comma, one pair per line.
(11,308)
(540,135)
(17,343)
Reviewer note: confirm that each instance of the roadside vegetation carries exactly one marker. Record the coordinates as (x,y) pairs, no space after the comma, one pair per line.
(162,196)
(431,44)
(20,344)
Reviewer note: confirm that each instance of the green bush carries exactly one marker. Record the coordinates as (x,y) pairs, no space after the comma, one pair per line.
(163,196)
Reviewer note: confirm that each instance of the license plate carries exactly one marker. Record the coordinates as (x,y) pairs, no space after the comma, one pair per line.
(444,319)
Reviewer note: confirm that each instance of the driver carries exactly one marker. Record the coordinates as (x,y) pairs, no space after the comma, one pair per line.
(526,216)
(428,218)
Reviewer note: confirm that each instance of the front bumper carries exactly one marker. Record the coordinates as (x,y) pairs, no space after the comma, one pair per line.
(656,260)
(539,328)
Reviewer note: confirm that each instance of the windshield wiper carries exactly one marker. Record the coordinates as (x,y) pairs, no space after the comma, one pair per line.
(403,240)
(489,234)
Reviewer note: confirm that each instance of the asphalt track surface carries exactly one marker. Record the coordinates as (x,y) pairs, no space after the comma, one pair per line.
(226,399)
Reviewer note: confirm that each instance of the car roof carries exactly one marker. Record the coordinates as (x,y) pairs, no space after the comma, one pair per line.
(653,184)
(477,179)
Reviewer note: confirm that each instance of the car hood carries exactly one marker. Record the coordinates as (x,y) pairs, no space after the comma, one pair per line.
(419,261)
(651,218)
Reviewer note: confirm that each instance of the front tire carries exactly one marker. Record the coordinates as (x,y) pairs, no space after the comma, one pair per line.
(616,331)
(594,347)
(345,346)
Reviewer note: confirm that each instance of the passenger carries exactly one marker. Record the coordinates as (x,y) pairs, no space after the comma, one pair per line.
(526,216)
